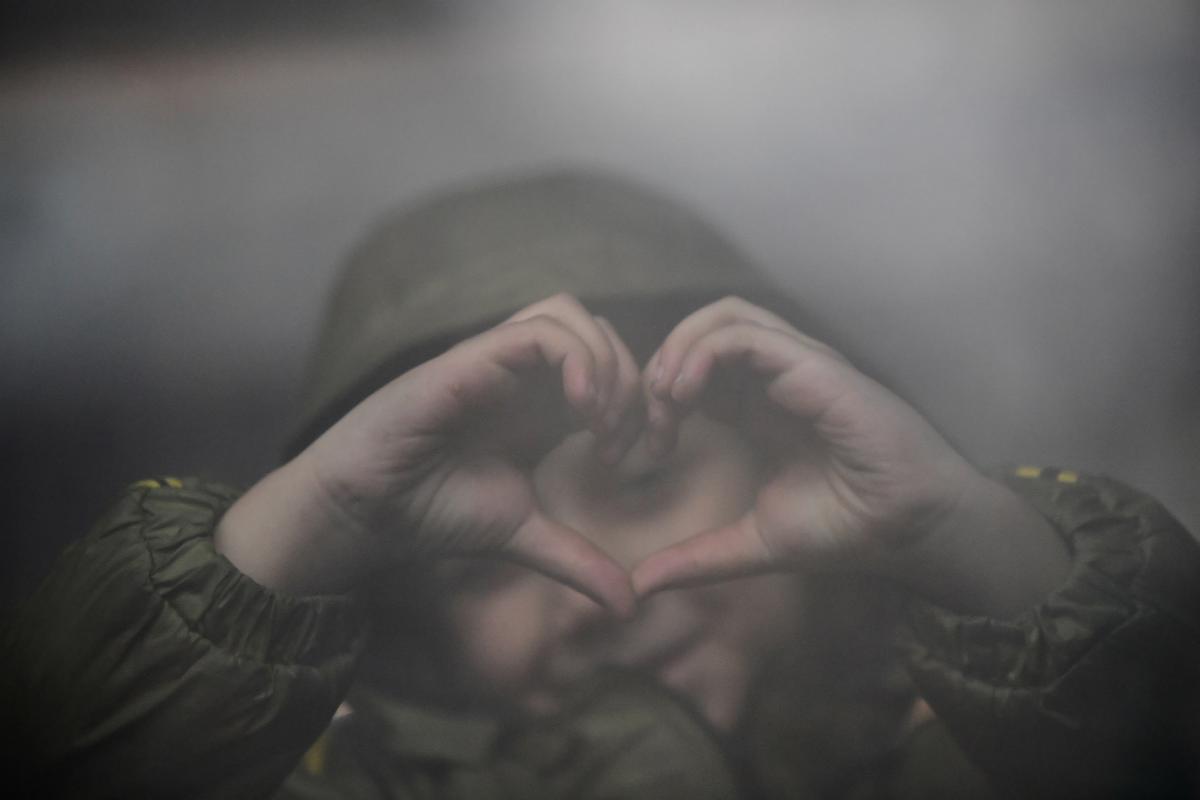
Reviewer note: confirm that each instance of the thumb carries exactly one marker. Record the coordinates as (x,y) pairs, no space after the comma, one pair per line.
(732,551)
(566,556)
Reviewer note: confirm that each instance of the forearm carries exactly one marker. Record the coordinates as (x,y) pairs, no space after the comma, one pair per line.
(287,536)
(992,554)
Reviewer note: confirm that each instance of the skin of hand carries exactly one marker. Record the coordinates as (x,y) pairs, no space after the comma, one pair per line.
(853,477)
(438,462)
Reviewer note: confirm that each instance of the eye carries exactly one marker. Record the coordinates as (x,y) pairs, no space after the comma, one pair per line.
(644,491)
(478,575)
(643,481)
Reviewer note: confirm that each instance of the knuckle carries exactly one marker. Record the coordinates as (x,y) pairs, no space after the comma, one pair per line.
(545,306)
(565,299)
(544,330)
(541,323)
(740,332)
(525,312)
(733,303)
(732,310)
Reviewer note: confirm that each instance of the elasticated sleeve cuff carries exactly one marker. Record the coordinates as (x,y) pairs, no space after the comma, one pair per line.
(219,603)
(1090,693)
(147,665)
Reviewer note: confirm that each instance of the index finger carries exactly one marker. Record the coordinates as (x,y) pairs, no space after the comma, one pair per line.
(515,347)
(665,364)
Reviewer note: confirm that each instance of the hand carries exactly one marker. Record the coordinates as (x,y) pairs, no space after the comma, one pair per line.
(852,475)
(437,462)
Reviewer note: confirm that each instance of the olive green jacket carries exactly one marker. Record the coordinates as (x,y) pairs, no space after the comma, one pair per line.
(146,665)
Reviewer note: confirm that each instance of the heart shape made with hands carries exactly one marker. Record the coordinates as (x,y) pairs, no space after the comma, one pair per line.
(445,452)
(846,464)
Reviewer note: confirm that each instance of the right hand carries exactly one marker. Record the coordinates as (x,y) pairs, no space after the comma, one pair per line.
(437,462)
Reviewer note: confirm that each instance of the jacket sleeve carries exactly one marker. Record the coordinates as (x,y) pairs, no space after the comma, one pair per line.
(146,665)
(1093,693)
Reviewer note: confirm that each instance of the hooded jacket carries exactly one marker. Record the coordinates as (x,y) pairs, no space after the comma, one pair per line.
(146,665)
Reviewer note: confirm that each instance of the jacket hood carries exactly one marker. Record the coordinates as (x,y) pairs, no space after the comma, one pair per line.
(449,267)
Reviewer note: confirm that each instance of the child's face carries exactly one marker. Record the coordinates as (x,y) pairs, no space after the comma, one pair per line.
(529,639)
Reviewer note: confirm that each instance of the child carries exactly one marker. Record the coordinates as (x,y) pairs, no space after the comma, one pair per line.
(596,499)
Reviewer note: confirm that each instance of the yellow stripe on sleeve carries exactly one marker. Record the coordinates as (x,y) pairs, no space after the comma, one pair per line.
(314,757)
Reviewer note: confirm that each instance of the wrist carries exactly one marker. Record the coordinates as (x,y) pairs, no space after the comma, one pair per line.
(990,553)
(284,534)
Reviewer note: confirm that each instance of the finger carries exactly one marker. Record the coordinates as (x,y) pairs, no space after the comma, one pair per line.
(624,438)
(519,346)
(803,380)
(718,554)
(662,426)
(724,341)
(571,313)
(564,555)
(626,378)
(661,423)
(714,315)
(623,420)
(727,311)
(664,415)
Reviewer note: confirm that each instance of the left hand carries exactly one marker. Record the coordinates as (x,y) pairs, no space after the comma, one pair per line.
(853,476)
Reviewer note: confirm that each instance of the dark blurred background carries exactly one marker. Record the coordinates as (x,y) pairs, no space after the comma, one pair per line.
(998,203)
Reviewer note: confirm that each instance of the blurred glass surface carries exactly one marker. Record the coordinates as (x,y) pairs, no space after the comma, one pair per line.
(998,204)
